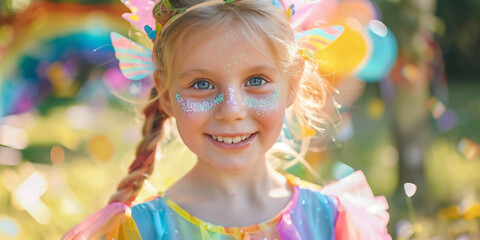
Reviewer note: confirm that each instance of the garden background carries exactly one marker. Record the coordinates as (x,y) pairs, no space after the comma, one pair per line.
(67,135)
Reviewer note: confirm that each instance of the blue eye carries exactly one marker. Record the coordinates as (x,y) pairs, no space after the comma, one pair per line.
(256,81)
(202,85)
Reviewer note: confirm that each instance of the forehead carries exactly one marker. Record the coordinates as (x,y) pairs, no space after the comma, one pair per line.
(227,46)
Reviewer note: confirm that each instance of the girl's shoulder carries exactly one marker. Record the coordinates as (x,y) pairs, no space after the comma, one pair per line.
(310,195)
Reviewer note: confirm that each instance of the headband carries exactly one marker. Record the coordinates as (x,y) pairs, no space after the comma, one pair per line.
(136,60)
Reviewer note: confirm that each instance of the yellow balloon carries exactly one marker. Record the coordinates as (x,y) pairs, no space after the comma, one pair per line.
(346,54)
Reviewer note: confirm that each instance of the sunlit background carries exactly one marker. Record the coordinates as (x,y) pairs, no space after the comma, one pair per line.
(67,135)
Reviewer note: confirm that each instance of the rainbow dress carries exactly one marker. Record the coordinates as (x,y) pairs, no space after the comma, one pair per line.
(343,210)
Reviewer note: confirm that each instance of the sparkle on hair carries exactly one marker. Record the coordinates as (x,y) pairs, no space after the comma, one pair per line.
(263,105)
(190,107)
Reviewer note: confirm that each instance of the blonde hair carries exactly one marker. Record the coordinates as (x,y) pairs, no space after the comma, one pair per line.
(262,20)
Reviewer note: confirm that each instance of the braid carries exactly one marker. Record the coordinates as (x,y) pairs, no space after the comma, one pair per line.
(142,167)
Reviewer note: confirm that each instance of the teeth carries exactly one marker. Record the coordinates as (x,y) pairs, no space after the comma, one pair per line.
(230,140)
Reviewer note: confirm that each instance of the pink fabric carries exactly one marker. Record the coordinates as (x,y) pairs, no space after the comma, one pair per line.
(361,215)
(286,229)
(89,226)
(141,14)
(310,14)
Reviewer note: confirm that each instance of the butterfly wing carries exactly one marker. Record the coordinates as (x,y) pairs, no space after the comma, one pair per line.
(315,40)
(135,60)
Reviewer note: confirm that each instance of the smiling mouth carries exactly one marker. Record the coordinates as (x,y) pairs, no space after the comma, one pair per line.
(231,140)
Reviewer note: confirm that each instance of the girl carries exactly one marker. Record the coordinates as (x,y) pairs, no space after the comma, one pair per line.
(229,73)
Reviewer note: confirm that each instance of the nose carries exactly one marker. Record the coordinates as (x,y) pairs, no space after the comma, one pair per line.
(234,108)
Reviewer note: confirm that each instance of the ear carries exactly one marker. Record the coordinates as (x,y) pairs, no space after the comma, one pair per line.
(164,99)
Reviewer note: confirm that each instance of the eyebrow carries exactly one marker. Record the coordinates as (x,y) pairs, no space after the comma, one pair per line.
(192,72)
(260,68)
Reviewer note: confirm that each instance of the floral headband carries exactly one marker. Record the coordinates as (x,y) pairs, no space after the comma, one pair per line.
(136,60)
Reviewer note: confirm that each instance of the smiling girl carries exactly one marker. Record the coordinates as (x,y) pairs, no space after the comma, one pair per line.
(228,72)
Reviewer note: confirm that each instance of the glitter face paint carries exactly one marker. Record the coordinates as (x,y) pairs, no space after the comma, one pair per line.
(263,105)
(190,107)
(220,43)
(231,98)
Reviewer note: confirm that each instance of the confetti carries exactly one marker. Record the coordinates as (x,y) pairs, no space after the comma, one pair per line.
(468,149)
(436,107)
(410,189)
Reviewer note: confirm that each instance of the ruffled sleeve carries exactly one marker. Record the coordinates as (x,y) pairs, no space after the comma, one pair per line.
(361,215)
(111,222)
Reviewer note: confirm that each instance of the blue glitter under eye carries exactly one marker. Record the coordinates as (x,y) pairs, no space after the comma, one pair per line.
(202,85)
(255,81)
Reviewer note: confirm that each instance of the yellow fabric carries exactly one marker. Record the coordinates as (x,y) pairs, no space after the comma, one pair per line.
(292,180)
(126,231)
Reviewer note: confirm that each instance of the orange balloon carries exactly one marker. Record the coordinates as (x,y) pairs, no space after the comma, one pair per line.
(362,10)
(346,54)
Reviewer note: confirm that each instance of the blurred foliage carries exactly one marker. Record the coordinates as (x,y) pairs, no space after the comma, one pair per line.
(455,26)
(459,35)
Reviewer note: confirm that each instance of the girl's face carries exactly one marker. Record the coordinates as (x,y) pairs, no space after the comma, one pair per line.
(228,97)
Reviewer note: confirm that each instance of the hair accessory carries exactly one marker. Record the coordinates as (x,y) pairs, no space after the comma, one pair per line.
(141,15)
(290,11)
(135,60)
(277,3)
(316,39)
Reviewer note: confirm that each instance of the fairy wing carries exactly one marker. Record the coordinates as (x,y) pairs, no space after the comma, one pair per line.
(314,40)
(135,60)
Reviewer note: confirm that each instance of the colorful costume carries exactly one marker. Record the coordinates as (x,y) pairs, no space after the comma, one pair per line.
(343,210)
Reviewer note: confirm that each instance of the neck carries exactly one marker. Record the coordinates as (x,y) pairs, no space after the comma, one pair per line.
(254,181)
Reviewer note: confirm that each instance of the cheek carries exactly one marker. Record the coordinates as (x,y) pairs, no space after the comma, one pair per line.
(189,128)
(272,121)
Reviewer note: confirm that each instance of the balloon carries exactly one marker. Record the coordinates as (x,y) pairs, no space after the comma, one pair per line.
(346,54)
(362,10)
(383,55)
